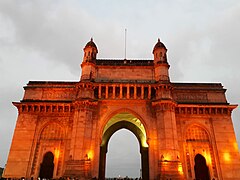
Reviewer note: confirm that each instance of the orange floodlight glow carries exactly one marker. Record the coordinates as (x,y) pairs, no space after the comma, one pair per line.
(235,145)
(226,156)
(180,169)
(90,155)
(208,159)
(56,153)
(165,157)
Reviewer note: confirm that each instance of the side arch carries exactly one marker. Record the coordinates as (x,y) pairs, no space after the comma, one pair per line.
(198,142)
(50,138)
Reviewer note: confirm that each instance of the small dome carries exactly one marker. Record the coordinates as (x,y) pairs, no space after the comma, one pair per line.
(159,44)
(91,44)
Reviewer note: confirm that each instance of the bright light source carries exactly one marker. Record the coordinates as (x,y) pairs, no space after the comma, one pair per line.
(226,156)
(90,155)
(56,153)
(180,169)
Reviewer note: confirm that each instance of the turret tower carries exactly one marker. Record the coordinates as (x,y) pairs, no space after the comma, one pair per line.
(161,65)
(89,61)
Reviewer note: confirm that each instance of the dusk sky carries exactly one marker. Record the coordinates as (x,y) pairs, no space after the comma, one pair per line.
(44,40)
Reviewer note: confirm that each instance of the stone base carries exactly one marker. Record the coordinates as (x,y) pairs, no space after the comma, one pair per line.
(80,169)
(171,170)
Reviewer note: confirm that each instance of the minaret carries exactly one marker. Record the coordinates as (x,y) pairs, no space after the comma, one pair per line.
(89,61)
(161,65)
(164,106)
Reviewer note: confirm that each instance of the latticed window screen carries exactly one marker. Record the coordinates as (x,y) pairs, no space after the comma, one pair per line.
(196,133)
(52,132)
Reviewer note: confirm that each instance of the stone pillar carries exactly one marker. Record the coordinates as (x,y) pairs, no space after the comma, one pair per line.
(120,91)
(149,91)
(145,162)
(102,163)
(168,157)
(18,166)
(106,91)
(142,92)
(100,91)
(79,162)
(169,163)
(114,87)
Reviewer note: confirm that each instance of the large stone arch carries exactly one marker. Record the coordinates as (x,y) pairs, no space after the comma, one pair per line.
(132,123)
(198,141)
(131,112)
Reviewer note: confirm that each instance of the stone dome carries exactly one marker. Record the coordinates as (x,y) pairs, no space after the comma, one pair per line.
(159,44)
(91,44)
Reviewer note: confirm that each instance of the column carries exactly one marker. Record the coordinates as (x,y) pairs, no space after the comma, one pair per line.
(128,94)
(120,91)
(106,91)
(142,92)
(149,91)
(100,91)
(113,91)
(167,138)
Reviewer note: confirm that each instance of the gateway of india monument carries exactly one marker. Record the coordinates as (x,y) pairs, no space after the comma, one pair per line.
(184,130)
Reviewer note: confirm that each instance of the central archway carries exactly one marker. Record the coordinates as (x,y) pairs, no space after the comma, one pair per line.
(133,124)
(123,158)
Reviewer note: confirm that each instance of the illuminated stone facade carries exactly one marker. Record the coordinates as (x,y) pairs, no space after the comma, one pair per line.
(185,130)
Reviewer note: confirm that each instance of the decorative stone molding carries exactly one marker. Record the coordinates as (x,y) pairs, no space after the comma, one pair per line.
(124,91)
(167,86)
(88,85)
(86,105)
(44,108)
(164,105)
(205,109)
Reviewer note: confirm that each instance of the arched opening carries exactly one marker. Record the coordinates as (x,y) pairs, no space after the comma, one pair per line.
(123,157)
(47,166)
(200,168)
(133,124)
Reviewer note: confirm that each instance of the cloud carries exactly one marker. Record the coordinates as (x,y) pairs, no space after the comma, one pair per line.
(57,31)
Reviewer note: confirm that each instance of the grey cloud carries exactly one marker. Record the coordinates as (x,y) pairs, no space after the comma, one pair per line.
(57,31)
